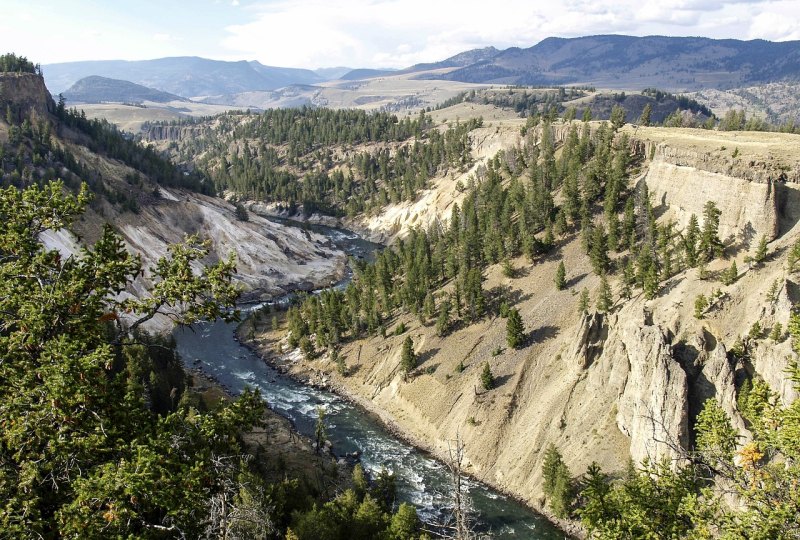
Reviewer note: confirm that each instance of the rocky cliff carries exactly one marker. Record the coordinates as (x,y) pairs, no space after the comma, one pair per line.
(26,95)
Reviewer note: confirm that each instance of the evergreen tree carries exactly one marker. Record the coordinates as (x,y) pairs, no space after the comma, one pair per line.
(730,275)
(617,116)
(487,379)
(556,482)
(583,301)
(443,321)
(700,305)
(650,285)
(320,433)
(604,299)
(710,244)
(408,358)
(761,251)
(644,119)
(690,241)
(599,251)
(515,330)
(80,425)
(561,276)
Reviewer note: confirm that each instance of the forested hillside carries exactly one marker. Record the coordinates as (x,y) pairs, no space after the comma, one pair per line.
(336,162)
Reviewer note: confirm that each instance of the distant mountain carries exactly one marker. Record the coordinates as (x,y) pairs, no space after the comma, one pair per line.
(95,89)
(611,61)
(332,73)
(186,76)
(363,73)
(464,59)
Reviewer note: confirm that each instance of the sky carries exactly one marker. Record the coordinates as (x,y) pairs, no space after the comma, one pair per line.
(359,33)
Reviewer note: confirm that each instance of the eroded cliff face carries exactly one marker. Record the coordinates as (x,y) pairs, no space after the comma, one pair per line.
(27,95)
(271,258)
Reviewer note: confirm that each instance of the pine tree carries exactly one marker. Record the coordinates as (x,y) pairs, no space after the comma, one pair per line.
(515,330)
(583,301)
(599,251)
(644,119)
(320,433)
(761,251)
(710,244)
(487,379)
(556,482)
(408,358)
(776,333)
(700,305)
(561,276)
(617,116)
(650,284)
(730,275)
(604,299)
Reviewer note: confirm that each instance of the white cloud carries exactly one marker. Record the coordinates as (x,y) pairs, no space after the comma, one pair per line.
(398,33)
(361,33)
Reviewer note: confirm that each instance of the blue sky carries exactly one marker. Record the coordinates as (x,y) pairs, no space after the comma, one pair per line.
(359,33)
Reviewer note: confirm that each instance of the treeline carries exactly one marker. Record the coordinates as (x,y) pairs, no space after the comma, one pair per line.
(525,101)
(306,129)
(684,103)
(10,62)
(33,155)
(106,139)
(324,180)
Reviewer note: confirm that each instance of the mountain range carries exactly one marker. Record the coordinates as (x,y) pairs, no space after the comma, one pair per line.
(605,61)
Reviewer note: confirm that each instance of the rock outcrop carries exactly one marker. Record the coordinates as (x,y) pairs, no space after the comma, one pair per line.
(26,94)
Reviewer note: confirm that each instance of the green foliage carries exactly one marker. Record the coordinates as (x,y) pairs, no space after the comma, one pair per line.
(408,358)
(307,348)
(508,268)
(761,251)
(487,379)
(617,116)
(320,432)
(716,438)
(515,330)
(710,244)
(644,119)
(604,298)
(776,334)
(443,320)
(241,212)
(762,476)
(82,454)
(793,328)
(700,306)
(690,239)
(10,62)
(561,276)
(556,482)
(755,331)
(730,275)
(772,293)
(793,257)
(583,301)
(654,503)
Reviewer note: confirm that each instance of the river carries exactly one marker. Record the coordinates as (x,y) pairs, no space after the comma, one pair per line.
(421,480)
